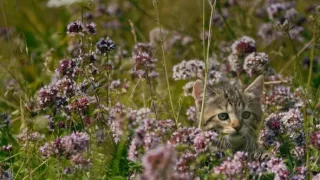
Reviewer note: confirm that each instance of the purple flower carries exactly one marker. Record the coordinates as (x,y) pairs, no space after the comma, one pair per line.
(91,28)
(46,96)
(188,69)
(268,33)
(192,114)
(233,168)
(67,68)
(72,144)
(79,105)
(244,46)
(255,62)
(278,167)
(273,122)
(76,27)
(105,45)
(159,163)
(315,139)
(144,61)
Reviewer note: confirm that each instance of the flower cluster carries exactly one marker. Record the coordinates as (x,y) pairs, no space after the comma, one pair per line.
(278,167)
(255,62)
(144,61)
(79,28)
(159,163)
(105,45)
(67,146)
(68,68)
(233,168)
(315,138)
(282,98)
(287,18)
(188,69)
(240,49)
(244,46)
(192,113)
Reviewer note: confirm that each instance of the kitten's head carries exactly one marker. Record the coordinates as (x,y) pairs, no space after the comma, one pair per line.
(231,111)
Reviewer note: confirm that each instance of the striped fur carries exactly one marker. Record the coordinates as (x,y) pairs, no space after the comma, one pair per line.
(237,132)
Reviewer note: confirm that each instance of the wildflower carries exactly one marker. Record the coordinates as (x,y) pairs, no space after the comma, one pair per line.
(191,114)
(188,88)
(91,28)
(268,33)
(182,167)
(299,152)
(188,69)
(76,27)
(315,138)
(292,120)
(235,63)
(316,177)
(255,168)
(216,77)
(27,136)
(79,105)
(46,96)
(233,168)
(66,87)
(278,167)
(284,26)
(255,62)
(79,161)
(144,62)
(266,137)
(273,122)
(142,47)
(105,45)
(244,46)
(67,68)
(72,144)
(7,148)
(51,124)
(5,174)
(159,163)
(115,84)
(282,98)
(277,10)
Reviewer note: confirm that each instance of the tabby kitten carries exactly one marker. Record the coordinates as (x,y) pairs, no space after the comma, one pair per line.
(235,114)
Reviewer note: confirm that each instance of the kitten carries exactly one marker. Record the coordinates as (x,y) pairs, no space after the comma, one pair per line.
(235,114)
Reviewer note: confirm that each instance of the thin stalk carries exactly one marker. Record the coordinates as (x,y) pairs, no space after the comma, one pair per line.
(297,72)
(312,55)
(108,82)
(151,95)
(164,61)
(225,22)
(307,121)
(296,63)
(213,8)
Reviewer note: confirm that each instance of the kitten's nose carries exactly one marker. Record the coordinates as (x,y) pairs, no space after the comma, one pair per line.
(235,124)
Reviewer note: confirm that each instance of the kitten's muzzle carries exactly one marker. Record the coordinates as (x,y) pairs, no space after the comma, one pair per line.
(235,124)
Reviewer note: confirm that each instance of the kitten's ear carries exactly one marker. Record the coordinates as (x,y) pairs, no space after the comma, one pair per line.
(197,93)
(256,87)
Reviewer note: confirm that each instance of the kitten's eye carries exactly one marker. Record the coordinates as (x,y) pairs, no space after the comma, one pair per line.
(223,116)
(246,115)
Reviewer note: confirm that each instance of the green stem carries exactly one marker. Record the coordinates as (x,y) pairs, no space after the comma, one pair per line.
(164,62)
(206,60)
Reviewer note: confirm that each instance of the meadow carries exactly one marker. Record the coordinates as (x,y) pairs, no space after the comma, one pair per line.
(103,89)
